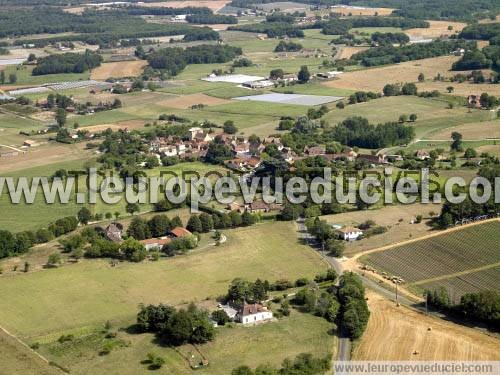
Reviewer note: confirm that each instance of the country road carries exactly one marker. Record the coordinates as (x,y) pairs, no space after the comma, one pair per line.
(344,349)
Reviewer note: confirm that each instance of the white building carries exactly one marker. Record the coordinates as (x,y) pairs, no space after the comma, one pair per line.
(253,313)
(349,233)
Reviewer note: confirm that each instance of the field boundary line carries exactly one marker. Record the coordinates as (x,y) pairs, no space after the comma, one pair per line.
(461,273)
(406,242)
(27,347)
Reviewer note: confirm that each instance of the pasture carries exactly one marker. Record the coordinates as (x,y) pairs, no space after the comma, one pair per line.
(404,332)
(87,294)
(470,131)
(396,218)
(265,343)
(24,77)
(457,253)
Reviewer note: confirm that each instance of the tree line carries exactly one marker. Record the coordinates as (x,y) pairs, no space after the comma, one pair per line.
(272,29)
(211,19)
(483,306)
(339,26)
(174,60)
(388,54)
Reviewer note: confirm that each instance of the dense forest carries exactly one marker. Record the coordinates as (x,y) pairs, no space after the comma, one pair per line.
(67,63)
(211,19)
(388,54)
(272,29)
(423,9)
(92,27)
(174,60)
(342,26)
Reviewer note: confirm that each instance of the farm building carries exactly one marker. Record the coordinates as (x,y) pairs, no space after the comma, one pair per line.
(152,243)
(30,143)
(258,84)
(253,313)
(349,233)
(329,75)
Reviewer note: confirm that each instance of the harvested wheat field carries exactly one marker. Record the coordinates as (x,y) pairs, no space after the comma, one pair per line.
(407,334)
(119,69)
(128,124)
(214,5)
(492,149)
(359,11)
(376,78)
(436,29)
(462,89)
(347,52)
(470,132)
(187,101)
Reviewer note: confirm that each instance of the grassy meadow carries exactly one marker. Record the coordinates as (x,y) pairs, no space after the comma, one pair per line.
(77,297)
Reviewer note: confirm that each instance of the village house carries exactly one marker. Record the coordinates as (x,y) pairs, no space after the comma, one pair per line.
(235,206)
(253,313)
(314,150)
(242,148)
(422,155)
(113,232)
(373,159)
(259,206)
(349,233)
(179,232)
(473,101)
(158,243)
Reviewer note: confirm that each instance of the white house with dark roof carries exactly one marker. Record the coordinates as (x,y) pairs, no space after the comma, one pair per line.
(253,313)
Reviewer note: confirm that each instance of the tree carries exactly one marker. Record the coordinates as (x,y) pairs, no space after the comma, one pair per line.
(26,267)
(194,224)
(132,208)
(159,225)
(54,259)
(31,57)
(84,215)
(139,229)
(470,153)
(335,247)
(12,78)
(413,117)
(247,219)
(2,77)
(450,89)
(229,127)
(242,370)
(304,74)
(409,89)
(456,145)
(285,308)
(403,118)
(276,74)
(61,117)
(207,222)
(421,77)
(221,317)
(133,250)
(176,222)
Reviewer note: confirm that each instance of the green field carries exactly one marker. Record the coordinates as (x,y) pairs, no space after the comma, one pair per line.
(24,76)
(266,343)
(469,255)
(432,114)
(79,296)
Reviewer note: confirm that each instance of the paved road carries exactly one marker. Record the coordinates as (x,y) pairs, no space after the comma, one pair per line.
(344,349)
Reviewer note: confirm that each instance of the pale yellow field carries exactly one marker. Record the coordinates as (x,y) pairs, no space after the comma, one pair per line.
(436,29)
(347,52)
(363,12)
(375,79)
(186,101)
(211,4)
(463,89)
(472,131)
(128,124)
(410,335)
(492,149)
(119,69)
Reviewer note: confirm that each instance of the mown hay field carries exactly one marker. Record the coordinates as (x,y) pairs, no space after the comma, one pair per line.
(118,69)
(458,253)
(436,29)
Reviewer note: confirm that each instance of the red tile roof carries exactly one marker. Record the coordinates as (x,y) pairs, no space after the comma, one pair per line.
(180,232)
